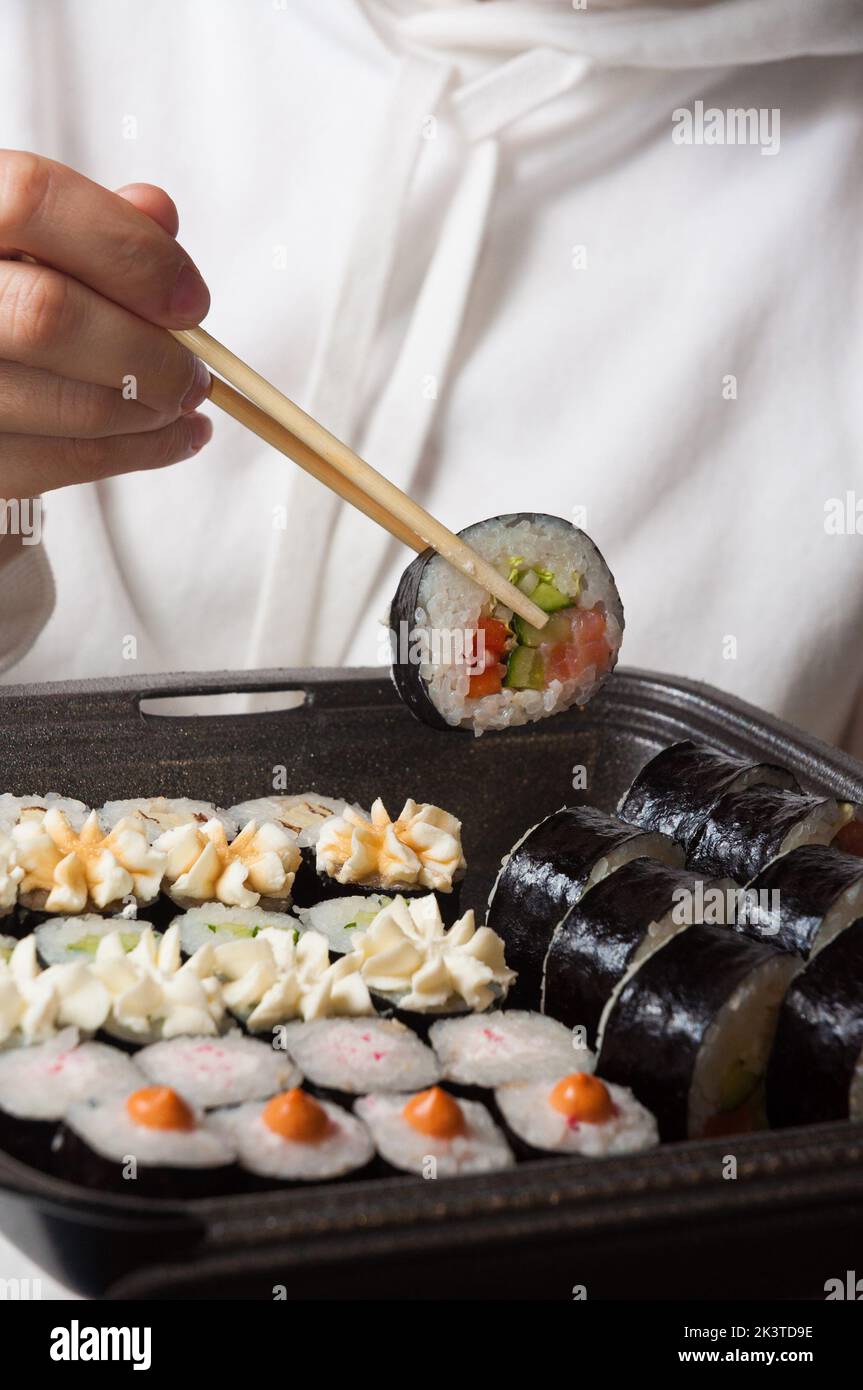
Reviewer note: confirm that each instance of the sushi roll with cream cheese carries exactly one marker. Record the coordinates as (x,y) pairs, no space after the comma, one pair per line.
(212,1072)
(66,939)
(347,1057)
(156,814)
(341,919)
(297,1139)
(215,924)
(433,1134)
(575,1114)
(462,660)
(493,1049)
(254,869)
(149,1142)
(69,869)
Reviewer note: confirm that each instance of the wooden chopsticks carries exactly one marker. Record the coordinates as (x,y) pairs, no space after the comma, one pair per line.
(276,419)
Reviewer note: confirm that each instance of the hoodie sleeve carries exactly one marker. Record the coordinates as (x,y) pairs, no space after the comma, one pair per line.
(26,597)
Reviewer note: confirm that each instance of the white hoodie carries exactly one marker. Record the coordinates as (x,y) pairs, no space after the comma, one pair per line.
(471,236)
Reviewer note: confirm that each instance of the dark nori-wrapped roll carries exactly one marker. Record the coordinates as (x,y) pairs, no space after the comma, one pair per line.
(816,1067)
(691,1030)
(677,789)
(529,673)
(614,926)
(748,829)
(546,874)
(805,899)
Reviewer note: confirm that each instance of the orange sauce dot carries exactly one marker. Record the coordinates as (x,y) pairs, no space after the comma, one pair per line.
(434,1112)
(159,1107)
(583,1098)
(297,1116)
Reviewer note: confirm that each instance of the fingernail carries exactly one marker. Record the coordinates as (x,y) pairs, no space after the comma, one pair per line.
(200,432)
(197,392)
(191,298)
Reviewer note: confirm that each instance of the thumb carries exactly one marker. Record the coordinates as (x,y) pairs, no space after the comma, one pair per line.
(154,202)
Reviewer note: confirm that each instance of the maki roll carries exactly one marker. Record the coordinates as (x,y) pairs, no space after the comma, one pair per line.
(816,1067)
(413,965)
(149,1142)
(156,814)
(461,660)
(614,927)
(575,1114)
(547,873)
(68,870)
(254,869)
(153,993)
(64,940)
(303,815)
(35,1003)
(346,1057)
(748,829)
(215,924)
(417,853)
(212,1072)
(690,1031)
(15,809)
(805,899)
(433,1134)
(678,788)
(340,919)
(11,873)
(272,979)
(489,1050)
(39,1083)
(295,1138)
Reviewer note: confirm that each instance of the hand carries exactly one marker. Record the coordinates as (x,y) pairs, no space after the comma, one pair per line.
(89,280)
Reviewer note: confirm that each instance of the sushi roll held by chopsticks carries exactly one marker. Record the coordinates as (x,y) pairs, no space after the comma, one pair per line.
(461,659)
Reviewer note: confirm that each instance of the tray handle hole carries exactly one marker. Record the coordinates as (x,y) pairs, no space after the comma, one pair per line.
(221,703)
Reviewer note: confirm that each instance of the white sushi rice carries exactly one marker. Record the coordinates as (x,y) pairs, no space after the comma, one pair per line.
(355,1055)
(108,1129)
(506,1045)
(346,1146)
(7,946)
(526,1107)
(209,1072)
(303,813)
(13,808)
(65,939)
(42,1081)
(215,924)
(155,814)
(818,828)
(449,602)
(481,1149)
(339,919)
(740,1036)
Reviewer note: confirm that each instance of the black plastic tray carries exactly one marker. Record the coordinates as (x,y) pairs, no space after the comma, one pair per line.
(669,1223)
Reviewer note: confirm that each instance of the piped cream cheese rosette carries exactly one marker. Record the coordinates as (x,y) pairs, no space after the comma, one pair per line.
(420,849)
(273,978)
(409,957)
(35,1003)
(154,993)
(202,865)
(67,870)
(11,872)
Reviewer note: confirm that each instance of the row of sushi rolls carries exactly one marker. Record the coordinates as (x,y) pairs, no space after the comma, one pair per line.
(198,1000)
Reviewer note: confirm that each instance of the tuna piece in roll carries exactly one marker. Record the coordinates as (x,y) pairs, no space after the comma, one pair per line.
(816,1067)
(678,788)
(746,831)
(691,1030)
(462,660)
(547,873)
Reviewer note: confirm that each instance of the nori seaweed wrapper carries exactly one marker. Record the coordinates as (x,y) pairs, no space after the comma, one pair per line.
(807,882)
(678,788)
(819,1037)
(593,946)
(543,878)
(745,830)
(657,1028)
